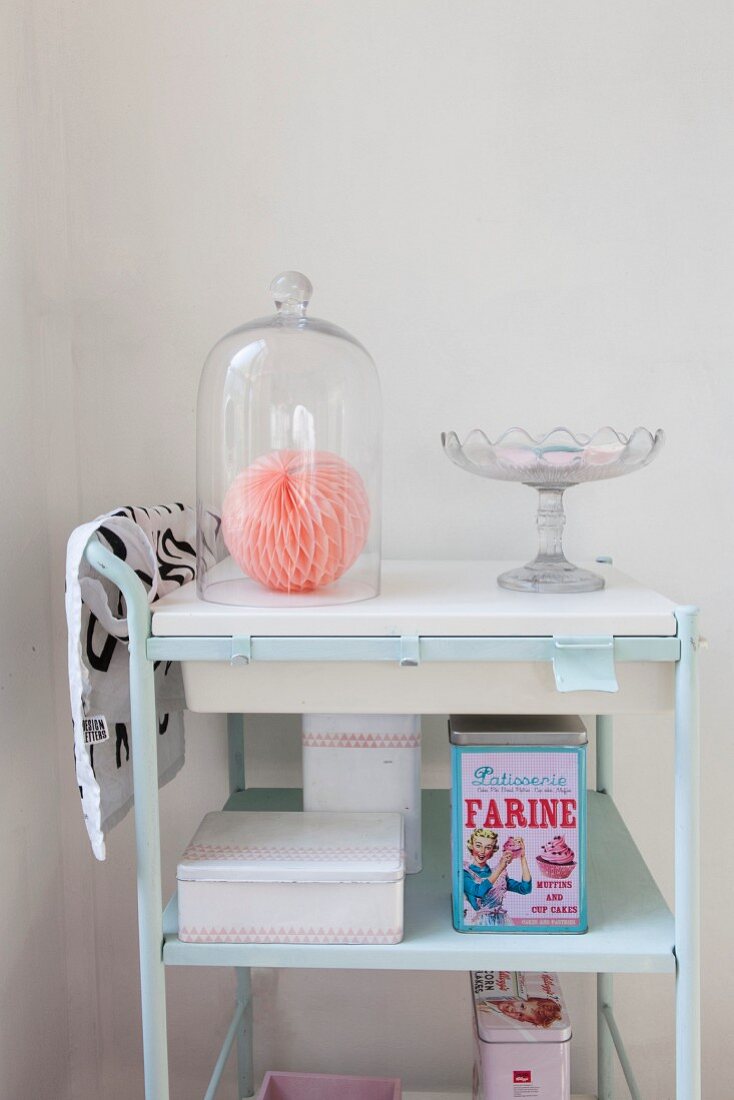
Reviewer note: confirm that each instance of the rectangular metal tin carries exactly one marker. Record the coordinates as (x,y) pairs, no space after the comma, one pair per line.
(549,900)
(521,1057)
(366,762)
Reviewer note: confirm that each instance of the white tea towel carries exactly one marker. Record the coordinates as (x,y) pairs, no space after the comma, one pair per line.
(158,543)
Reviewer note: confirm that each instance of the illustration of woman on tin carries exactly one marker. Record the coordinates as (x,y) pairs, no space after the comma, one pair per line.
(537,1011)
(484,887)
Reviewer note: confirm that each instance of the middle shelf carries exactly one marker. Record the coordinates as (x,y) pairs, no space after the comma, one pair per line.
(631,929)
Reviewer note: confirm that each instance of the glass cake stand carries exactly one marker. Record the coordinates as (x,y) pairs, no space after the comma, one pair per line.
(551,464)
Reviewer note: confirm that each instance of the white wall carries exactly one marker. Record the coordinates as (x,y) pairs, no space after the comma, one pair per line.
(34,1048)
(523,211)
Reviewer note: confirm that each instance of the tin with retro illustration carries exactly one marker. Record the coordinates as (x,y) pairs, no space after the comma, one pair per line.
(518,823)
(522,1036)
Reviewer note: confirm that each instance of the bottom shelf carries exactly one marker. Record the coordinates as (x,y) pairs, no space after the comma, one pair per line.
(630,927)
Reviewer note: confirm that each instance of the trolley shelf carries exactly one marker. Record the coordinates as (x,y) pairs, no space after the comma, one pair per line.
(631,929)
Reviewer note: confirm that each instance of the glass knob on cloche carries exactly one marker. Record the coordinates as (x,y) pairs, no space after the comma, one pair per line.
(289,448)
(292,292)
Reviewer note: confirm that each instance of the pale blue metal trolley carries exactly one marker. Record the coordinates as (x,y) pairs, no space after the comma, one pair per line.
(440,637)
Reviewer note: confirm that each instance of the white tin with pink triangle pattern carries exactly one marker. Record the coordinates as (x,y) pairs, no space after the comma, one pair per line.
(293,878)
(366,762)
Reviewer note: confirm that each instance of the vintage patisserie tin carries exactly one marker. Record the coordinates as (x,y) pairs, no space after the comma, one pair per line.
(366,762)
(518,823)
(522,1037)
(293,878)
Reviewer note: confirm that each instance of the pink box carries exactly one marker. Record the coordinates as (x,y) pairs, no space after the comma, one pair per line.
(324,1086)
(522,1037)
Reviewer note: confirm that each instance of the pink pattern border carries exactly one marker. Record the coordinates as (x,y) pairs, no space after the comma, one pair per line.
(313,740)
(288,854)
(291,935)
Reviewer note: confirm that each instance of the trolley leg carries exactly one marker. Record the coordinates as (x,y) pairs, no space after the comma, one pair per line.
(687,862)
(144,731)
(604,982)
(236,741)
(245,1086)
(150,914)
(604,1043)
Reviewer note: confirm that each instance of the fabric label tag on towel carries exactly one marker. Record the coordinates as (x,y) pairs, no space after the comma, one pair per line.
(95,729)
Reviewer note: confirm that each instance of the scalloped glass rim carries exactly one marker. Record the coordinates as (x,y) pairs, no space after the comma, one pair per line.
(559,456)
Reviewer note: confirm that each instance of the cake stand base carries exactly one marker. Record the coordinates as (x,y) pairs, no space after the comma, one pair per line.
(550,576)
(550,571)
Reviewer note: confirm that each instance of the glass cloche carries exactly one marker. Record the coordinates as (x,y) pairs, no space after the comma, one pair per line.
(289,447)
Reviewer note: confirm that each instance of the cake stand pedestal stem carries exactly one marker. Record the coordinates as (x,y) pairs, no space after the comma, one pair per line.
(550,571)
(551,520)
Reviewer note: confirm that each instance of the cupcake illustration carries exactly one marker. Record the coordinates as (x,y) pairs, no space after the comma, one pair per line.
(557,860)
(513,846)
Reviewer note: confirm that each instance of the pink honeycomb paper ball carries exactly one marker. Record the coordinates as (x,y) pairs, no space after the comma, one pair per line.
(296,520)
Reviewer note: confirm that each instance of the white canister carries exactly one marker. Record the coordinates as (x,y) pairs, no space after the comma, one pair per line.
(366,762)
(293,878)
(522,1036)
